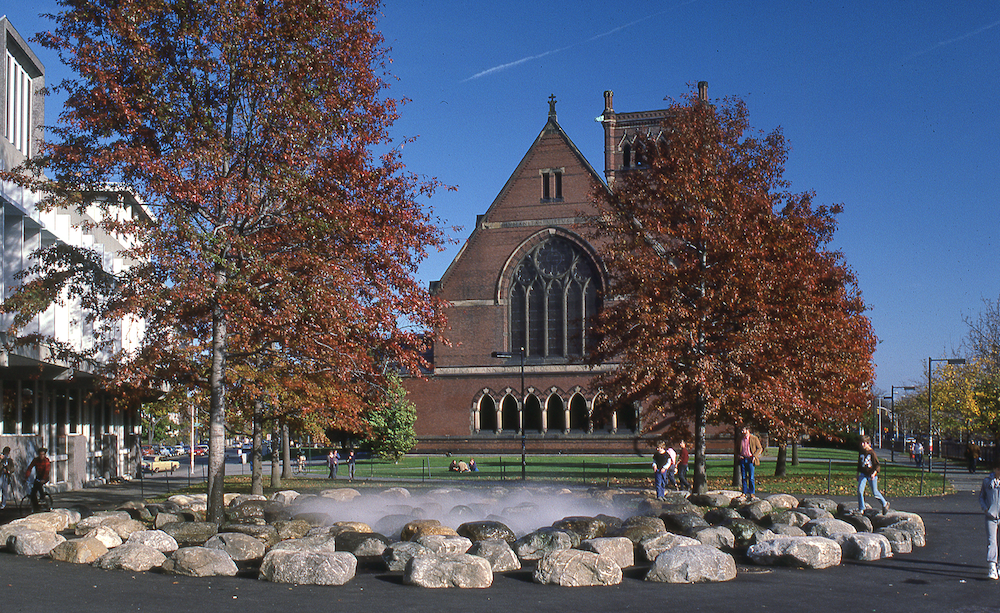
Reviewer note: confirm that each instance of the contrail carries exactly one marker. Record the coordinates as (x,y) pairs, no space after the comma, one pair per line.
(515,63)
(955,40)
(501,67)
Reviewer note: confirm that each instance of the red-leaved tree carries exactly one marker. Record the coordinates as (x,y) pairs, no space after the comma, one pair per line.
(724,306)
(284,232)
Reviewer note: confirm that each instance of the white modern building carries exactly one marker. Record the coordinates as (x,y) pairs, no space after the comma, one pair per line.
(45,402)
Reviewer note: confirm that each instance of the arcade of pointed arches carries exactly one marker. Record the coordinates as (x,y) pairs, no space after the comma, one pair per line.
(542,412)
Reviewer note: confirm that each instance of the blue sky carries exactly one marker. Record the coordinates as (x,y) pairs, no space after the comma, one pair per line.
(891,108)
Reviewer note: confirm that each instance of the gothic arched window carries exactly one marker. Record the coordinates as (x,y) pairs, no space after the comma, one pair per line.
(553,300)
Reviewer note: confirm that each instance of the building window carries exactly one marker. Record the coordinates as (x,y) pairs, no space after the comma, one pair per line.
(551,184)
(487,415)
(531,416)
(553,300)
(28,406)
(555,414)
(17,124)
(510,419)
(579,420)
(74,411)
(9,396)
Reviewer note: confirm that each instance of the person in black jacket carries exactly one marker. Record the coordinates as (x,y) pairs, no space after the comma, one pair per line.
(868,474)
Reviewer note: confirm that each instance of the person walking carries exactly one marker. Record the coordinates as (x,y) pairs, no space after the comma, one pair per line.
(989,500)
(6,477)
(671,467)
(42,467)
(750,450)
(333,461)
(972,456)
(682,465)
(918,454)
(350,463)
(868,474)
(660,466)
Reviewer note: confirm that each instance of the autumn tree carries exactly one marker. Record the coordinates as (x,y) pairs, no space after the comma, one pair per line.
(983,345)
(725,306)
(284,228)
(967,396)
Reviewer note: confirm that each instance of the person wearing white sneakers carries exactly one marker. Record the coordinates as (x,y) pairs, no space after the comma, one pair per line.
(989,500)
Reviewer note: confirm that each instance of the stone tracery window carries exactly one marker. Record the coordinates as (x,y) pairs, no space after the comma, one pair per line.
(553,300)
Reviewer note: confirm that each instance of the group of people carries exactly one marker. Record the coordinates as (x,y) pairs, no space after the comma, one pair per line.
(333,463)
(867,469)
(459,466)
(666,462)
(37,474)
(670,468)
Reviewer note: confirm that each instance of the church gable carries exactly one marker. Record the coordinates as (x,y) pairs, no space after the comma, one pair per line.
(551,187)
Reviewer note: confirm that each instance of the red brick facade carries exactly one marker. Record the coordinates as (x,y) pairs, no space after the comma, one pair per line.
(528,277)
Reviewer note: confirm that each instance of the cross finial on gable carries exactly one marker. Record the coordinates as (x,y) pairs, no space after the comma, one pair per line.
(552,106)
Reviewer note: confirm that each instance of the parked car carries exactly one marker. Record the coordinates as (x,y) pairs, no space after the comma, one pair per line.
(159,464)
(201,450)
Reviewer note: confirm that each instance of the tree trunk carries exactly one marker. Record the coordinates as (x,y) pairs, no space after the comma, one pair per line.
(795,451)
(217,410)
(256,472)
(700,466)
(286,453)
(781,464)
(275,466)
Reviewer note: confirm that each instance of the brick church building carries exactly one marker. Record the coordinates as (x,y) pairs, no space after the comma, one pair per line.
(526,286)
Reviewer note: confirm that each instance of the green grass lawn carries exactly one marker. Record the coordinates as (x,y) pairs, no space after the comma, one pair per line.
(820,472)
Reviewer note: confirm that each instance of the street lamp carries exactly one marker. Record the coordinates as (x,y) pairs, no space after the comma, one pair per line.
(930,361)
(507,355)
(892,409)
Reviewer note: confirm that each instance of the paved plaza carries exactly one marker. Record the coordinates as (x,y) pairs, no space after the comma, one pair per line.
(947,575)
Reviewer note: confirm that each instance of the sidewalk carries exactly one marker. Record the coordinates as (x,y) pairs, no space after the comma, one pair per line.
(957,473)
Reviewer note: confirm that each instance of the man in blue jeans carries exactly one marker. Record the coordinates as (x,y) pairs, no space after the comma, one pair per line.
(750,450)
(661,467)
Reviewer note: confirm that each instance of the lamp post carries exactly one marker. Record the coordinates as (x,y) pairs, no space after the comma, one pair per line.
(879,424)
(892,409)
(930,362)
(507,355)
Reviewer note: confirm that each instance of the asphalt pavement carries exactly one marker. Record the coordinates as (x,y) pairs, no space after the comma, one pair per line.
(948,575)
